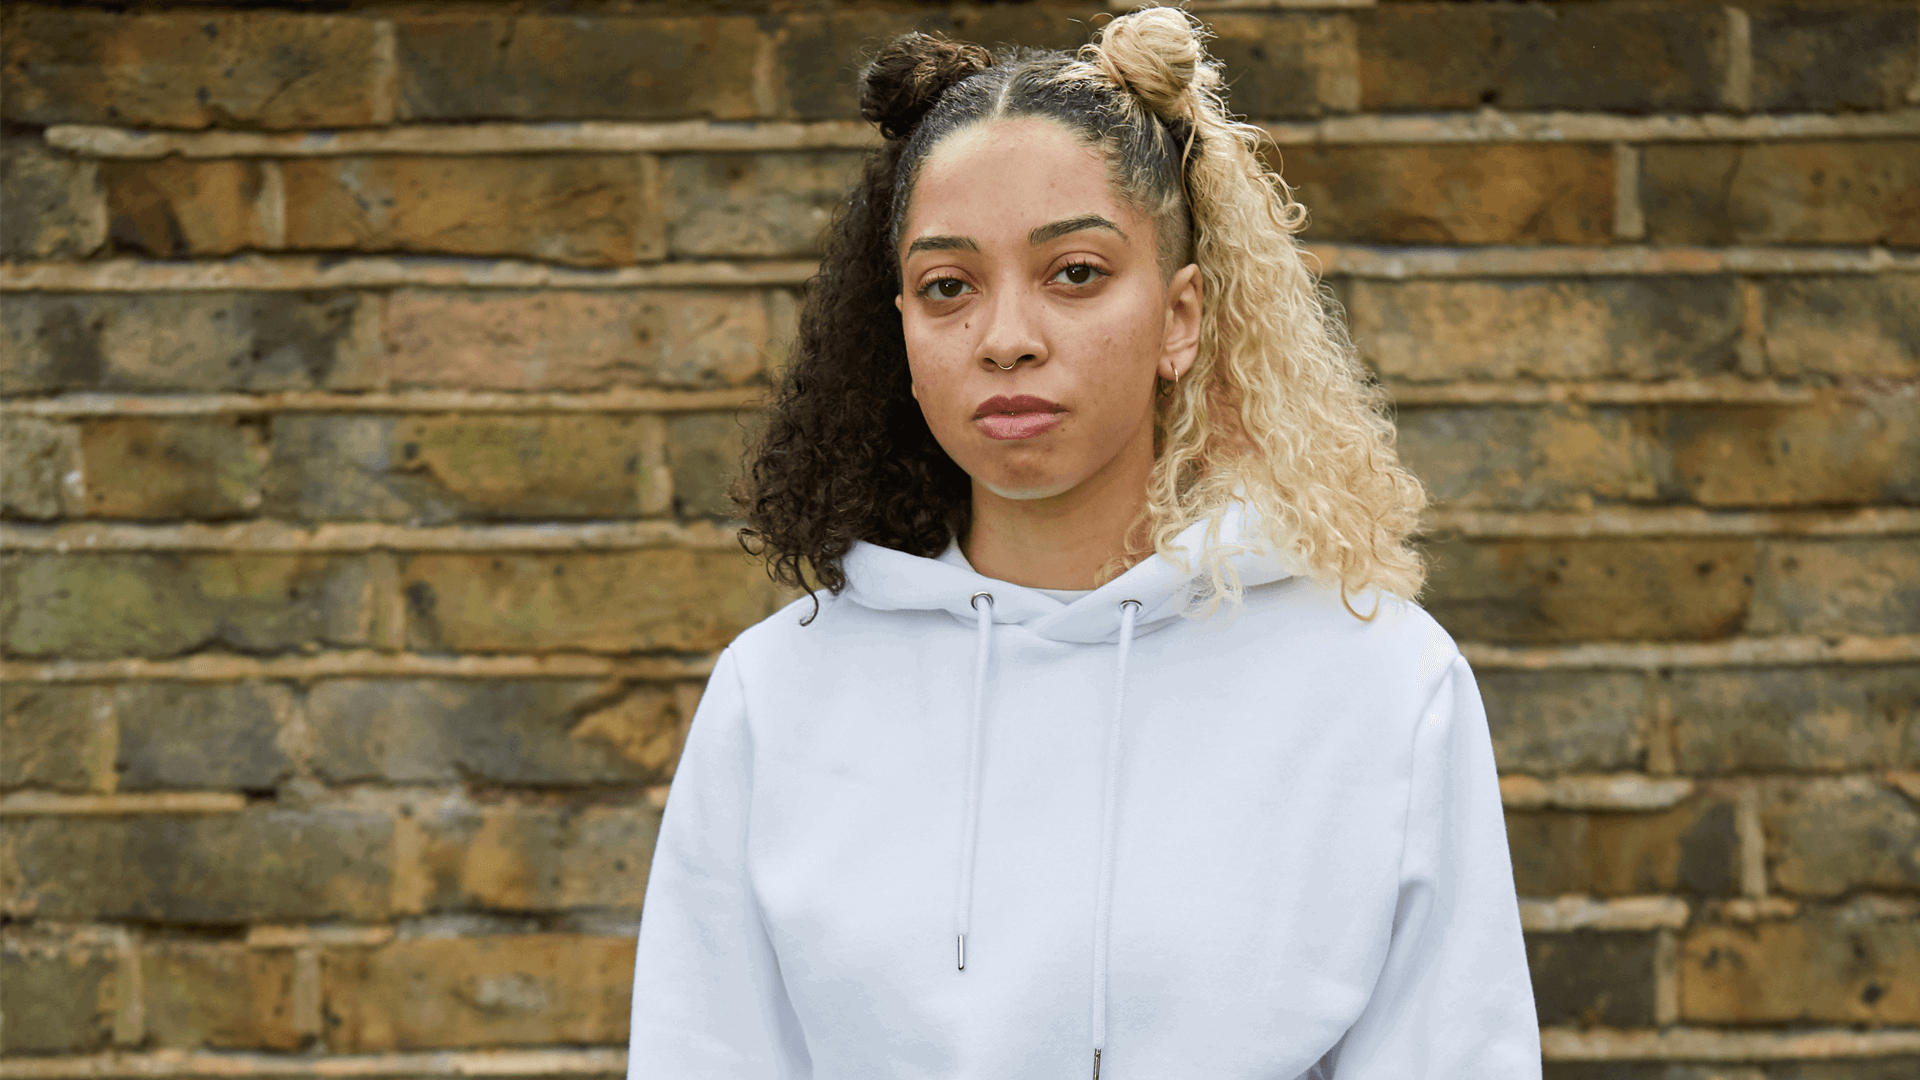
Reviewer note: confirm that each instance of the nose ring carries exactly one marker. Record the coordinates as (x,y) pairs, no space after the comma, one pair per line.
(1005,367)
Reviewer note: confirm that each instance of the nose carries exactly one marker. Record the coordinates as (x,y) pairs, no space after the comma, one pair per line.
(1012,333)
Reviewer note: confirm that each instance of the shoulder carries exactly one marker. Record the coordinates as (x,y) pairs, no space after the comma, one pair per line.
(1391,638)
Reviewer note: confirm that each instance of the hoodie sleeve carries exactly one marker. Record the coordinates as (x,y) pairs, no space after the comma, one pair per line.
(707,994)
(1454,999)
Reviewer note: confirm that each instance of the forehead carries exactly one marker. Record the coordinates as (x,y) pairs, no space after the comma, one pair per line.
(1008,177)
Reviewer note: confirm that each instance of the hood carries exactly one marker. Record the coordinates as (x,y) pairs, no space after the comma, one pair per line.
(883,579)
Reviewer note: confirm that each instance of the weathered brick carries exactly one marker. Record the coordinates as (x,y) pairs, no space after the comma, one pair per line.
(548,732)
(1617,57)
(1557,457)
(451,467)
(586,209)
(1512,193)
(1802,822)
(1523,591)
(1827,56)
(1593,979)
(538,858)
(557,340)
(1839,586)
(191,69)
(1567,328)
(1836,451)
(1547,722)
(1853,325)
(187,341)
(536,67)
(134,467)
(680,599)
(1690,848)
(56,737)
(199,735)
(1796,719)
(215,869)
(42,468)
(176,207)
(55,208)
(1854,192)
(502,990)
(705,451)
(1289,63)
(1829,965)
(57,996)
(765,205)
(125,604)
(219,994)
(1877,1068)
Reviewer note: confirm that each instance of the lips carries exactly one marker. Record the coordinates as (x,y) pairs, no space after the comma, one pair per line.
(1021,417)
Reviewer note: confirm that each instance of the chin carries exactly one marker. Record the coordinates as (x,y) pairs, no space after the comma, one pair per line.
(1031,490)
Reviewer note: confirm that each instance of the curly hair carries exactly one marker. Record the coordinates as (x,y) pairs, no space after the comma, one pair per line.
(1277,411)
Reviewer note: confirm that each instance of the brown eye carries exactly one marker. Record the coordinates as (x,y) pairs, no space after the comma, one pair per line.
(945,289)
(1079,274)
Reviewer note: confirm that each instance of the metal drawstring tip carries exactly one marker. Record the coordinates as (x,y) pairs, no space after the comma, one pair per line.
(1096,1063)
(960,945)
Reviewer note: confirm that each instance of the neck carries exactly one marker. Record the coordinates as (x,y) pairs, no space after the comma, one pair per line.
(1062,541)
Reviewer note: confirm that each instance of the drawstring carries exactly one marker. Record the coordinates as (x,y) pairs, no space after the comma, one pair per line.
(963,904)
(1110,801)
(1103,902)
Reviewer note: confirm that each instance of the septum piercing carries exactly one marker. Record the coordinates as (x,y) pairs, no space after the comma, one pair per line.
(1005,367)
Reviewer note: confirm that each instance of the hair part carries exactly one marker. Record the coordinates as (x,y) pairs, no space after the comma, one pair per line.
(1277,411)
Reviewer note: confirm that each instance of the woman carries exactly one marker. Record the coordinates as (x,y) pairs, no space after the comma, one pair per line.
(1082,758)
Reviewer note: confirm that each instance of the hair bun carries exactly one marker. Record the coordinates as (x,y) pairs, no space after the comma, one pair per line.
(910,74)
(1157,55)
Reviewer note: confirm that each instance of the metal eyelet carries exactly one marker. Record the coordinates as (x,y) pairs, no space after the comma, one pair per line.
(1137,605)
(974,601)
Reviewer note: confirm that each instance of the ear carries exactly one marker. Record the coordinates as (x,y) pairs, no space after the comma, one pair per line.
(1181,344)
(899,303)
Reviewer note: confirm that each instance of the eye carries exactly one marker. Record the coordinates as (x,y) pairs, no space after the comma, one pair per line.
(946,288)
(1080,274)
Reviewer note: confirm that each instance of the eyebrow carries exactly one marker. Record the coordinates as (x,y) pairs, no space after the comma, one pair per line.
(1038,236)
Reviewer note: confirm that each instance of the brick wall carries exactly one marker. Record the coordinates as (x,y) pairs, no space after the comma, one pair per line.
(371,377)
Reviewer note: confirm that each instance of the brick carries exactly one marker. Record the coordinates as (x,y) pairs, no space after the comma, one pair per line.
(501,990)
(686,600)
(1841,586)
(441,468)
(42,473)
(1879,1068)
(200,735)
(1592,979)
(705,451)
(196,341)
(1289,64)
(538,858)
(1837,451)
(1561,457)
(134,467)
(467,67)
(583,209)
(57,737)
(56,208)
(1690,848)
(214,869)
(93,606)
(1566,328)
(1853,192)
(1826,56)
(1538,591)
(1846,326)
(176,208)
(1616,57)
(1796,719)
(1802,820)
(219,994)
(57,996)
(754,205)
(588,340)
(548,732)
(1513,193)
(191,70)
(1829,966)
(1548,722)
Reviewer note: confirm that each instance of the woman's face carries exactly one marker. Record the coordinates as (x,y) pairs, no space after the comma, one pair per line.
(1017,252)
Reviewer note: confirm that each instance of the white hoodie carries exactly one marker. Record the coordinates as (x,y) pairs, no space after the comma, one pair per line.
(1265,843)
